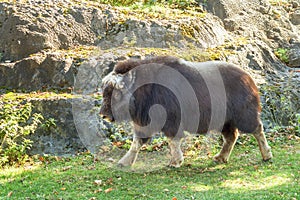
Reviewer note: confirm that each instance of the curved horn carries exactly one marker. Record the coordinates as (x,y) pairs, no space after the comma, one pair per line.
(130,78)
(114,79)
(118,80)
(108,79)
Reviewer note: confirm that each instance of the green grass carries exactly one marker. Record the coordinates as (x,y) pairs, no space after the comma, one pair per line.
(244,177)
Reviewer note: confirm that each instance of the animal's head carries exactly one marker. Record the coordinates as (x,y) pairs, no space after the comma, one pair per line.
(116,95)
(128,77)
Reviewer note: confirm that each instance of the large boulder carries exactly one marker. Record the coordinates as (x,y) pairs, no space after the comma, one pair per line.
(59,136)
(201,32)
(37,72)
(28,28)
(268,28)
(31,33)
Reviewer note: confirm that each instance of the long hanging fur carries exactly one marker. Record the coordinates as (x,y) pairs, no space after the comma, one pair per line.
(242,106)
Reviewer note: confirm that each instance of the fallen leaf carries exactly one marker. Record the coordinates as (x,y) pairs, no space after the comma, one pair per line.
(110,181)
(9,194)
(166,190)
(57,158)
(41,158)
(108,190)
(63,189)
(188,164)
(66,168)
(98,182)
(98,191)
(118,144)
(105,148)
(91,167)
(184,187)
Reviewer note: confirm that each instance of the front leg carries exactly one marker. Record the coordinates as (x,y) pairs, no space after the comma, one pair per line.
(176,153)
(131,155)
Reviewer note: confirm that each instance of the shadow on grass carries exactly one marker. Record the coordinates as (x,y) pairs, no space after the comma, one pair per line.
(244,177)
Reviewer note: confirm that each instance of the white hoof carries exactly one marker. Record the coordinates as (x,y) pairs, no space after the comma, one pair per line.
(176,162)
(127,160)
(220,159)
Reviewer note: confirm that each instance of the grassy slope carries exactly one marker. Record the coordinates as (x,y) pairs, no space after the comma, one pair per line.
(244,177)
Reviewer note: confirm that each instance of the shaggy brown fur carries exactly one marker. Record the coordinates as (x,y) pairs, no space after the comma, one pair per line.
(242,103)
(125,66)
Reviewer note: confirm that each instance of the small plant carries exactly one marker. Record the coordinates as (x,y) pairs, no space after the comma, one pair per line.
(282,54)
(158,143)
(118,2)
(1,56)
(173,3)
(49,124)
(16,122)
(296,124)
(278,2)
(183,3)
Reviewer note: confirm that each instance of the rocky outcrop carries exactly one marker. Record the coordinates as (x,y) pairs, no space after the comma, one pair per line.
(32,33)
(203,32)
(60,136)
(39,41)
(28,28)
(268,27)
(38,72)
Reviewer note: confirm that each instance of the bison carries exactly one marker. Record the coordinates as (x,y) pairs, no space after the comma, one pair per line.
(172,95)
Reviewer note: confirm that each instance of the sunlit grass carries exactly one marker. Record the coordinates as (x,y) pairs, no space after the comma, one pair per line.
(9,174)
(13,96)
(260,183)
(79,177)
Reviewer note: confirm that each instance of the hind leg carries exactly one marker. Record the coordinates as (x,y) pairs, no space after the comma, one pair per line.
(264,148)
(230,135)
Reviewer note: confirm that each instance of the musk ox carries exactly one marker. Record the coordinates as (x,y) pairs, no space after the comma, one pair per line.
(172,95)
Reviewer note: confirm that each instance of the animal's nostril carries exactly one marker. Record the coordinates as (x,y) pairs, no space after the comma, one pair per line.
(108,118)
(103,116)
